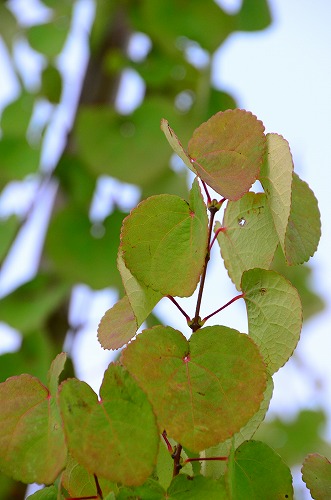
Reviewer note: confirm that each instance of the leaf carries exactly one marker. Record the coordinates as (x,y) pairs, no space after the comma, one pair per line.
(258,471)
(196,387)
(150,490)
(248,239)
(118,325)
(116,437)
(8,230)
(17,159)
(196,488)
(253,15)
(142,299)
(276,179)
(164,242)
(51,84)
(316,473)
(216,468)
(228,151)
(304,226)
(32,442)
(176,145)
(49,38)
(79,483)
(48,493)
(16,116)
(274,315)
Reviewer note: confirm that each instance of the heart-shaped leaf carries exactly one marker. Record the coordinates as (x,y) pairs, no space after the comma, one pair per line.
(316,473)
(227,151)
(32,442)
(115,437)
(304,226)
(274,315)
(249,238)
(258,472)
(276,179)
(164,242)
(176,145)
(203,390)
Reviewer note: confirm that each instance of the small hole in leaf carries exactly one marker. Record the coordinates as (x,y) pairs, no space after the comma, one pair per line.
(241,221)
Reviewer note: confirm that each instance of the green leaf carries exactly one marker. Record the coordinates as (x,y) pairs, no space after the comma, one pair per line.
(276,179)
(142,299)
(228,151)
(48,493)
(8,230)
(216,468)
(274,315)
(118,325)
(316,473)
(79,483)
(115,437)
(164,242)
(176,145)
(49,38)
(150,490)
(196,488)
(253,15)
(248,239)
(304,226)
(77,255)
(35,300)
(51,84)
(197,387)
(258,472)
(17,159)
(16,116)
(32,440)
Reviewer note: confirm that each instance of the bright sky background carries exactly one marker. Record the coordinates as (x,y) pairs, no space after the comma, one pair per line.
(283,75)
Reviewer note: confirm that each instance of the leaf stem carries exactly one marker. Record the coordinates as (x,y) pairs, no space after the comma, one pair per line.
(167,442)
(217,232)
(176,457)
(223,307)
(196,323)
(179,307)
(206,191)
(97,484)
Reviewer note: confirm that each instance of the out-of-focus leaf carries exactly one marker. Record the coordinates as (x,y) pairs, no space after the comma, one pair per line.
(254,15)
(169,182)
(249,238)
(8,25)
(304,226)
(228,150)
(130,148)
(294,439)
(8,231)
(219,101)
(51,84)
(16,116)
(34,301)
(17,159)
(116,437)
(77,255)
(196,409)
(258,472)
(49,38)
(79,483)
(164,241)
(274,315)
(33,357)
(316,473)
(32,439)
(276,178)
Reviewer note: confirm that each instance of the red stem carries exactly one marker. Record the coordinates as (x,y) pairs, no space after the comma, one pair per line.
(206,191)
(217,232)
(178,307)
(223,307)
(167,442)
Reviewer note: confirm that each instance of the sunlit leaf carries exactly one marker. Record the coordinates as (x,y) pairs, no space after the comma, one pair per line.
(196,488)
(115,437)
(48,493)
(32,441)
(196,387)
(249,238)
(215,468)
(175,144)
(118,325)
(228,151)
(164,242)
(274,315)
(276,179)
(316,473)
(150,490)
(258,472)
(304,226)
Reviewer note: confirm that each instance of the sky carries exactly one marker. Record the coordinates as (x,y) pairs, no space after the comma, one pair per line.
(282,75)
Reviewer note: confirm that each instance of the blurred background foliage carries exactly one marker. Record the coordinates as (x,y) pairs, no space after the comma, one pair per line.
(166,49)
